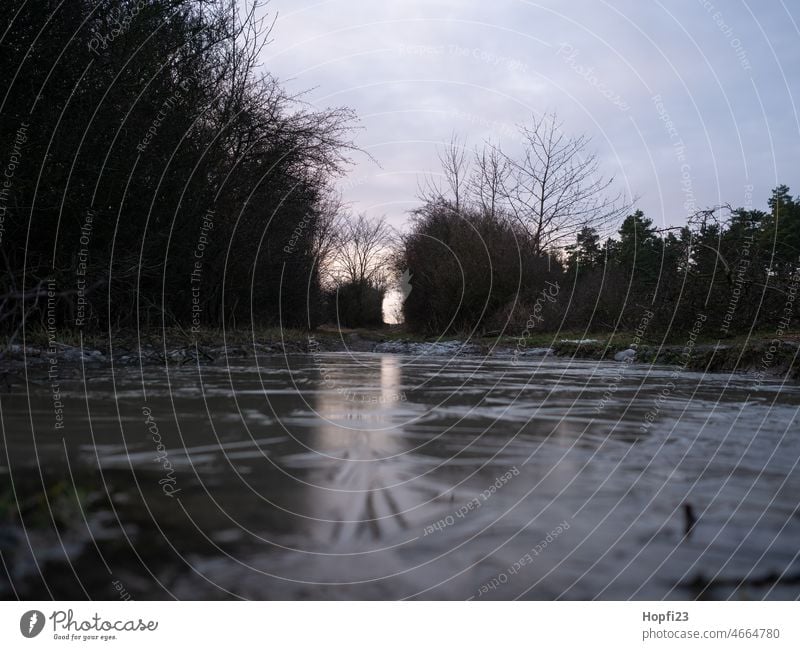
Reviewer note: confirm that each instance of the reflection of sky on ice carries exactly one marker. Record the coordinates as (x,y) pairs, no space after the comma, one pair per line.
(382,472)
(343,476)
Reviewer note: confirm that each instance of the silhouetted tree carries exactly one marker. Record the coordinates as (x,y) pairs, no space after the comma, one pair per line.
(167,180)
(361,266)
(555,188)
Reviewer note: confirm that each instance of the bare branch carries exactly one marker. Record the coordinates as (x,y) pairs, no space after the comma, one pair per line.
(556,189)
(363,251)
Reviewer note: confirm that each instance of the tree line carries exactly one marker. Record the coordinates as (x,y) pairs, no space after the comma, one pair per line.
(152,175)
(503,244)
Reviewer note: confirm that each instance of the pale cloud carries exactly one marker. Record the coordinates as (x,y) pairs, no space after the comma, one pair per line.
(416,71)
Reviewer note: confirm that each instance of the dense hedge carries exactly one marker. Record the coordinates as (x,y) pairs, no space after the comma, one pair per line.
(155,176)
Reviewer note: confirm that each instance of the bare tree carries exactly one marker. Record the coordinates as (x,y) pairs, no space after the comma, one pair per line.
(555,189)
(362,255)
(454,163)
(329,232)
(488,180)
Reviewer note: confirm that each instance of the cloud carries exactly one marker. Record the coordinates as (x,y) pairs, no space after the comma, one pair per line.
(416,71)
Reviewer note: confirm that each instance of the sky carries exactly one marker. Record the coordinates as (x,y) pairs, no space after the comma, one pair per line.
(689,103)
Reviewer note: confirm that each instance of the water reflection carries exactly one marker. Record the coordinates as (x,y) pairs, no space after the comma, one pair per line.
(382,476)
(363,477)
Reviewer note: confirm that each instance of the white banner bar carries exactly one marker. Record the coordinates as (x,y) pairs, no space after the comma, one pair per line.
(400,625)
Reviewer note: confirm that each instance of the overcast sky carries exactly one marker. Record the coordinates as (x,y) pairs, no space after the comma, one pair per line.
(416,71)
